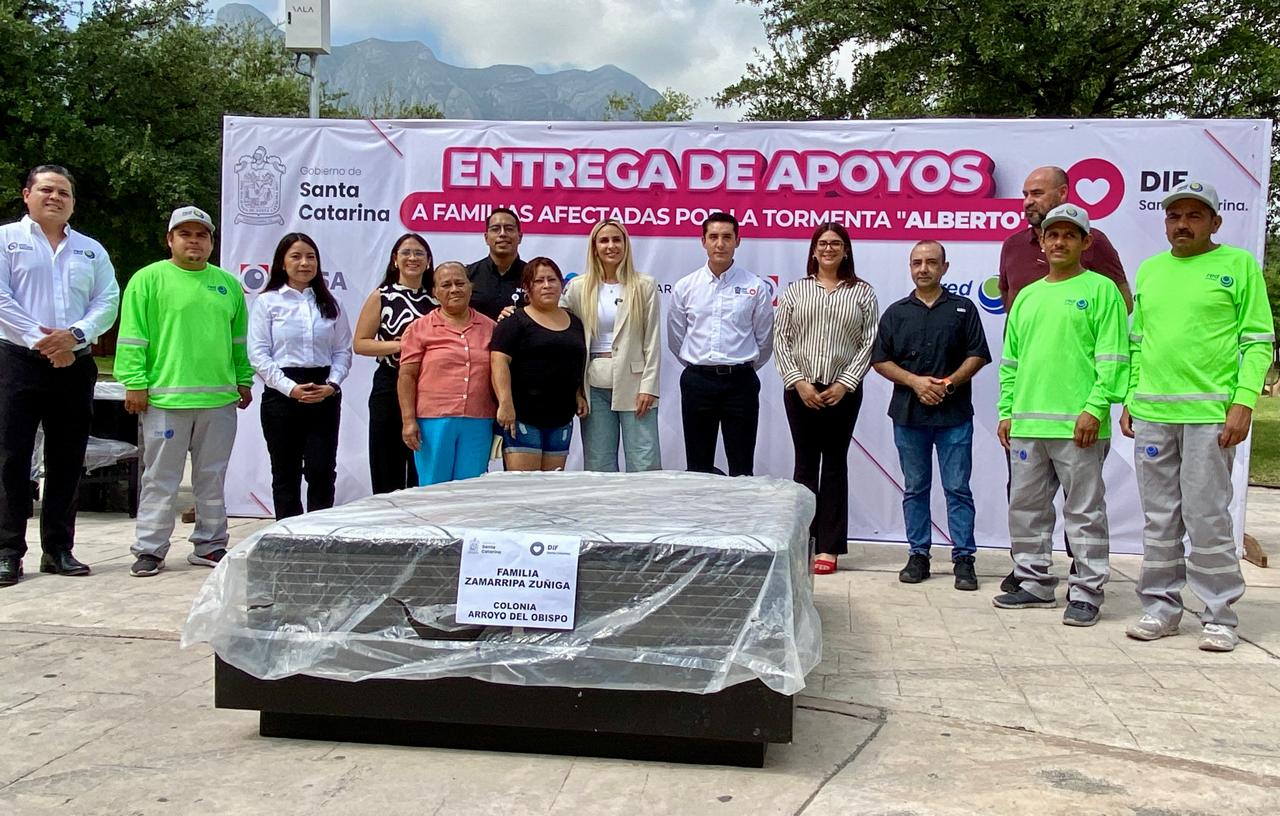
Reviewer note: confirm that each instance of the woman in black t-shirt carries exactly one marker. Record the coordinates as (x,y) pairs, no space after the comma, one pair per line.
(538,356)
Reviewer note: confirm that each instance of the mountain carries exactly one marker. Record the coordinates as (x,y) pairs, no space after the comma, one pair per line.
(408,72)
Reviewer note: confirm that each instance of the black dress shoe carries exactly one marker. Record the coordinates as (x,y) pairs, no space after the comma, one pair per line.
(62,563)
(10,570)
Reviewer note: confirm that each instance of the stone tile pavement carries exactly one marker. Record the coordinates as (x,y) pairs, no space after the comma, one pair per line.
(928,701)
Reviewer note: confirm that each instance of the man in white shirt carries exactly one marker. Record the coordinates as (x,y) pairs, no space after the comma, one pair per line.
(58,294)
(720,327)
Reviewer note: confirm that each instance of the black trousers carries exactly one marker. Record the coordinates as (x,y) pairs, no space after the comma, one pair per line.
(390,460)
(715,399)
(821,438)
(302,440)
(33,392)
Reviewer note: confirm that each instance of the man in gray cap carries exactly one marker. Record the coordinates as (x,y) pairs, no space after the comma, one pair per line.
(1065,361)
(1201,344)
(1022,260)
(183,362)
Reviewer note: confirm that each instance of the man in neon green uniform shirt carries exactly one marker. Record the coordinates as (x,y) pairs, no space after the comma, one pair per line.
(1065,360)
(1201,344)
(183,362)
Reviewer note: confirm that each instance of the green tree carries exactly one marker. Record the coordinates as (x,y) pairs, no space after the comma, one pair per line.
(1090,58)
(131,99)
(674,106)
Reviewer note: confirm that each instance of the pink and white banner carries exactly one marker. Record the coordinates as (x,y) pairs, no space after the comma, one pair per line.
(355,185)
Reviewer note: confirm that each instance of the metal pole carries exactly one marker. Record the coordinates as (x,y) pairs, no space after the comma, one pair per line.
(315,88)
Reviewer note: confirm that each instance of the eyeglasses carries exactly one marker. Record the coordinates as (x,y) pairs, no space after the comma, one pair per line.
(498,229)
(412,253)
(831,245)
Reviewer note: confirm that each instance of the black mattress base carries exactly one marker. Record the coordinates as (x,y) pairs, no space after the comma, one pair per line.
(731,727)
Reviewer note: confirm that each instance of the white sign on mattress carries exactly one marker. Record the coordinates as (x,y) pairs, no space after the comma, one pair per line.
(528,580)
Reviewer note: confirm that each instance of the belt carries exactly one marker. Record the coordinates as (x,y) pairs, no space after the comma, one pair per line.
(30,352)
(722,370)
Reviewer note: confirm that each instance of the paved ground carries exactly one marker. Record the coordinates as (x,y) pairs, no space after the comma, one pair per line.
(928,701)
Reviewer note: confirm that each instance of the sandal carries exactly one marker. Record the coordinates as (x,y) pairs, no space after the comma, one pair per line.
(822,566)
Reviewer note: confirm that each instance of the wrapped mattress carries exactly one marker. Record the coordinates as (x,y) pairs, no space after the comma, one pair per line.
(685,582)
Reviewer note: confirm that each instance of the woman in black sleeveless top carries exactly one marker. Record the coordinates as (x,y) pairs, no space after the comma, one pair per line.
(385,317)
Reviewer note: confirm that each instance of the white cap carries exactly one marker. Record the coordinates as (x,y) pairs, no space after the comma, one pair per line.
(1198,190)
(1070,213)
(184,215)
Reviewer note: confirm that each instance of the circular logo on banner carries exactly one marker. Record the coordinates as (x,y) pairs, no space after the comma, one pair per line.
(989,296)
(537,548)
(1097,185)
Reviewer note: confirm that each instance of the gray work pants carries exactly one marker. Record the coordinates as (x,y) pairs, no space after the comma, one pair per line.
(167,436)
(1037,468)
(1184,480)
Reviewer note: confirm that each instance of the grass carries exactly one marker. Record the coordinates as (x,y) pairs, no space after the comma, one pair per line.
(1264,463)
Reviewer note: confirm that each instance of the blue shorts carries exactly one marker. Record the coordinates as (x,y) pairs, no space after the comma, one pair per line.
(532,439)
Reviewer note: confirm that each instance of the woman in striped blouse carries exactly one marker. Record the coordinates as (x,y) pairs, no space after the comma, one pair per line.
(824,332)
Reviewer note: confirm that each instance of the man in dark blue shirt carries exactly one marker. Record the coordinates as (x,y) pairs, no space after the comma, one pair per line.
(930,346)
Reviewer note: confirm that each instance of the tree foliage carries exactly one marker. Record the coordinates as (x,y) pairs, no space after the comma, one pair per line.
(131,99)
(1090,58)
(674,106)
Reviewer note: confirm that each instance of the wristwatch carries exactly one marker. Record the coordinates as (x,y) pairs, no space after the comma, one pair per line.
(337,389)
(948,386)
(78,334)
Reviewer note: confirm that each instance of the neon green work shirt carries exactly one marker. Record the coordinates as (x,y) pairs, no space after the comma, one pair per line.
(182,337)
(1202,336)
(1066,351)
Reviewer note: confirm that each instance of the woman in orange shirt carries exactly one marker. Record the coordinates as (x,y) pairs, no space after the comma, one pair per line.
(446,403)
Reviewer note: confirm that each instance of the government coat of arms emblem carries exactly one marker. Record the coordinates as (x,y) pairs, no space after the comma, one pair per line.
(258,188)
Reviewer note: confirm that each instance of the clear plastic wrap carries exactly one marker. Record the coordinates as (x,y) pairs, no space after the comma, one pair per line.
(100,453)
(686,582)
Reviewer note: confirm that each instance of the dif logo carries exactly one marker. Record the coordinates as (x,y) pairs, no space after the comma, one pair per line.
(1162,181)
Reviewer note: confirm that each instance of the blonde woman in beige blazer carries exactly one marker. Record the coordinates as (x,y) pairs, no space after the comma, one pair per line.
(618,308)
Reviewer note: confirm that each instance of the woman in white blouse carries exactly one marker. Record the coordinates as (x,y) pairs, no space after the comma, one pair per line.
(300,345)
(618,308)
(824,332)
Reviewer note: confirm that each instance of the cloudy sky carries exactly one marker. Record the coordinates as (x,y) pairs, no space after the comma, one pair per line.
(695,46)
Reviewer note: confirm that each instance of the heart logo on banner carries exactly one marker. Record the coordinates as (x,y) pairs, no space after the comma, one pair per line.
(1091,191)
(1097,185)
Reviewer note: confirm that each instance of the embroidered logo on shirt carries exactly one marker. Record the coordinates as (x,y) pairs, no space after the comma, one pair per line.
(222,290)
(1082,304)
(88,253)
(1226,280)
(742,290)
(1151,451)
(18,246)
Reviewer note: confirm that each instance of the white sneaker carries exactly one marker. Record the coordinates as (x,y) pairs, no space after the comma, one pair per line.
(1218,638)
(1149,627)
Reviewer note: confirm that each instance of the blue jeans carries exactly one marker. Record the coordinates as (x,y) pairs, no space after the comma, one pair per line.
(602,428)
(955,460)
